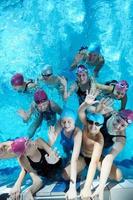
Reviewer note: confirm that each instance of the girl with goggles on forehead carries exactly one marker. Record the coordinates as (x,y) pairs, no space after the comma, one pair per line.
(54,81)
(115,90)
(83,83)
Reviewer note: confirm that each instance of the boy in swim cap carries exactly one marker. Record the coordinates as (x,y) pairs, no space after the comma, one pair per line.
(92,142)
(71,137)
(43,108)
(18,83)
(92,58)
(116,90)
(56,81)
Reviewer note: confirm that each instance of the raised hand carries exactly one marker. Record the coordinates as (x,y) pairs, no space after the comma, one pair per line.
(53,157)
(51,135)
(105,106)
(90,97)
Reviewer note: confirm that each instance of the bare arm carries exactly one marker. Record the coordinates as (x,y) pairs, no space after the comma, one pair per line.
(108,161)
(72,89)
(123,102)
(26,115)
(71,194)
(55,107)
(107,88)
(74,158)
(37,183)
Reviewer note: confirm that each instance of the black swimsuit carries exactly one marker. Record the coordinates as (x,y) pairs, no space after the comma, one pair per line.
(82,94)
(108,139)
(42,167)
(26,86)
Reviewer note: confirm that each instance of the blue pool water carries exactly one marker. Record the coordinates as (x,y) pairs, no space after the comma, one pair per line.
(34,32)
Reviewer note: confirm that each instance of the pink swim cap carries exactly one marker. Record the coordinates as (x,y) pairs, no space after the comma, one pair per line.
(122,86)
(17,80)
(18,146)
(40,96)
(127,115)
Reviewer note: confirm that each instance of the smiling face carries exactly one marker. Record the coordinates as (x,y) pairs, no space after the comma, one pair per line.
(119,124)
(94,127)
(42,107)
(118,94)
(83,77)
(68,124)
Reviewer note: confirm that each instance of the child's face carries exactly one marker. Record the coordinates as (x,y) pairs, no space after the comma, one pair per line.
(118,94)
(42,107)
(83,77)
(67,124)
(18,88)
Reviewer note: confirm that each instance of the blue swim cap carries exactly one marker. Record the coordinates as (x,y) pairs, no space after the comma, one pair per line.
(95,117)
(94,49)
(67,112)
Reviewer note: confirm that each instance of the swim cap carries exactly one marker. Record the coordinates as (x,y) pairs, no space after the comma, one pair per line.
(95,117)
(17,80)
(127,115)
(94,49)
(40,96)
(18,146)
(81,68)
(83,48)
(122,86)
(47,69)
(69,113)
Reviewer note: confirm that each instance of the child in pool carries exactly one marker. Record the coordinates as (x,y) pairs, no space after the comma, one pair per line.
(92,58)
(19,84)
(36,158)
(71,137)
(44,109)
(115,90)
(58,82)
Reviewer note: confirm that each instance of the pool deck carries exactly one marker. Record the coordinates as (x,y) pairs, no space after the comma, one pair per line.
(56,190)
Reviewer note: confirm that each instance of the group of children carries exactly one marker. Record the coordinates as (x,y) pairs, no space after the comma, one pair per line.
(94,143)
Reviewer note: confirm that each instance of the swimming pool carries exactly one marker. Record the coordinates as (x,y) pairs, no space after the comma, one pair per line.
(34,32)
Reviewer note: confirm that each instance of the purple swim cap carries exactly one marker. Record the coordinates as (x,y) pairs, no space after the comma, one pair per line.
(80,69)
(122,86)
(40,96)
(17,80)
(18,146)
(127,115)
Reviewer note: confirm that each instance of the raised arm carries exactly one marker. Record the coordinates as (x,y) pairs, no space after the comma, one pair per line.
(87,104)
(26,115)
(123,102)
(71,194)
(55,107)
